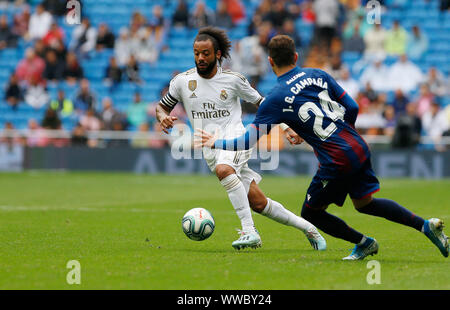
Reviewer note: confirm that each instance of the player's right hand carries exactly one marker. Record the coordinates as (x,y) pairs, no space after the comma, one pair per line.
(293,137)
(168,122)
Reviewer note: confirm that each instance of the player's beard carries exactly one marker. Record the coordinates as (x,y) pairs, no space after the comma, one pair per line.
(208,69)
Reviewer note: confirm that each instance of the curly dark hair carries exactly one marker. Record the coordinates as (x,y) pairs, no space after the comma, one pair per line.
(219,39)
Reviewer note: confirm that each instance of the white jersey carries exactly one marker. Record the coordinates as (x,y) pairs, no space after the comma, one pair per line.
(213,102)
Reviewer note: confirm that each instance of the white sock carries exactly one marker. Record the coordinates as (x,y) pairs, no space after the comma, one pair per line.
(239,200)
(275,211)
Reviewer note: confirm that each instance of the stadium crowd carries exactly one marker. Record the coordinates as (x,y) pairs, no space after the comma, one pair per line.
(397,98)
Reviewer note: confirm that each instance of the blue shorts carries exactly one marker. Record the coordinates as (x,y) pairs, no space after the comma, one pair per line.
(323,192)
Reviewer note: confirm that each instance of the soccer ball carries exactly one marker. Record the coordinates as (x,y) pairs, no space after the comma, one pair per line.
(198,224)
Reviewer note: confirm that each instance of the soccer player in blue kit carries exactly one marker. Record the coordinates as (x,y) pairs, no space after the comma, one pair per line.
(311,103)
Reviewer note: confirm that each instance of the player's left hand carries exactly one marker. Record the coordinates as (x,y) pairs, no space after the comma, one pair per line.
(292,137)
(205,139)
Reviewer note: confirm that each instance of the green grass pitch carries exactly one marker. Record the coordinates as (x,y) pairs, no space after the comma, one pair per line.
(125,230)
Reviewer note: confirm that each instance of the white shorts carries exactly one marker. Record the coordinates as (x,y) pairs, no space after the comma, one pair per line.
(237,160)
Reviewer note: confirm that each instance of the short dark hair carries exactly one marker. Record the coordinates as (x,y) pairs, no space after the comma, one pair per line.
(218,38)
(282,50)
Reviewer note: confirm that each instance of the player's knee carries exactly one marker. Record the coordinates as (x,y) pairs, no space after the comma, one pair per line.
(361,203)
(309,213)
(222,171)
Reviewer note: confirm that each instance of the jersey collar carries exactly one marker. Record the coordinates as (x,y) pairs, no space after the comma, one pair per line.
(288,74)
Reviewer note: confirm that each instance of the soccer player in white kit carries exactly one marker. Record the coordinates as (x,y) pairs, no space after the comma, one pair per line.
(211,97)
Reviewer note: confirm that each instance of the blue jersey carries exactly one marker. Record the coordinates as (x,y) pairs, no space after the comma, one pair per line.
(319,110)
(311,103)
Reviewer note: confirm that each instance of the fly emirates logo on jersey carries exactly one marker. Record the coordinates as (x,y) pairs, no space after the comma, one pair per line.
(210,112)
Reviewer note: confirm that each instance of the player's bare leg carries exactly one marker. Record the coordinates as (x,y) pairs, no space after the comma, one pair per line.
(237,194)
(277,212)
(392,211)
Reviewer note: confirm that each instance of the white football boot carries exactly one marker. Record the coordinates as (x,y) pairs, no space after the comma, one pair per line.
(247,239)
(316,239)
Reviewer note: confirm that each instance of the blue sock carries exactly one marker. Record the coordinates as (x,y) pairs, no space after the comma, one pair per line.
(331,225)
(392,211)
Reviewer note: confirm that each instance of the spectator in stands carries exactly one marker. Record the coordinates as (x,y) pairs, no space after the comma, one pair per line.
(60,50)
(90,121)
(396,40)
(278,14)
(327,13)
(436,81)
(399,102)
(85,98)
(136,113)
(117,142)
(201,16)
(9,140)
(36,137)
(55,7)
(377,75)
(140,138)
(257,18)
(105,38)
(180,17)
(113,73)
(149,44)
(158,143)
(307,12)
(7,36)
(84,38)
(390,121)
(62,104)
(370,119)
(435,122)
(252,53)
(137,20)
(51,120)
(404,75)
(408,128)
(157,20)
(417,44)
(54,69)
(79,137)
(109,115)
(13,93)
(335,67)
(40,22)
(350,85)
(122,50)
(222,18)
(444,5)
(36,95)
(424,101)
(31,67)
(370,93)
(289,29)
(354,43)
(39,48)
(236,10)
(73,71)
(21,22)
(374,40)
(132,70)
(355,21)
(54,36)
